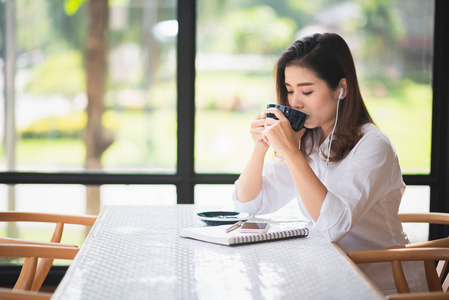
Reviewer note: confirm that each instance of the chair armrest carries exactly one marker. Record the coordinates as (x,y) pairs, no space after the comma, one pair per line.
(42,251)
(8,294)
(7,240)
(402,254)
(432,218)
(11,216)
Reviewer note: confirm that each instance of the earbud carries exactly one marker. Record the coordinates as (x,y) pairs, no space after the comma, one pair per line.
(341,93)
(332,132)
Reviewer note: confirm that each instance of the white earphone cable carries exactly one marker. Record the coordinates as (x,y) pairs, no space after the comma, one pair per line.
(331,137)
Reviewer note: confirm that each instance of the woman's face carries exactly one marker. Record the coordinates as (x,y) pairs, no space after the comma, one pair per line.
(312,96)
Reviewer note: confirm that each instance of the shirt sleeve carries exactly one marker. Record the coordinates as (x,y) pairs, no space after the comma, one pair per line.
(277,190)
(367,175)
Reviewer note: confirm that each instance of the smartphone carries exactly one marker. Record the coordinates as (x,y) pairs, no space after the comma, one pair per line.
(254,227)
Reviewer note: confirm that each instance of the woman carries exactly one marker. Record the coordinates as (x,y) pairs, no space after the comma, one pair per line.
(342,169)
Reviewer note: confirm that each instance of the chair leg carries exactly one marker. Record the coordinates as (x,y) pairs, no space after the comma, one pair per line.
(26,277)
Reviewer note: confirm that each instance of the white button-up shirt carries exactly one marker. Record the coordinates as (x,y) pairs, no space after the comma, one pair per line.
(360,210)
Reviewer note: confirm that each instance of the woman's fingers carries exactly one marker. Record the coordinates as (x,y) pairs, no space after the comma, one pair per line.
(257,127)
(260,116)
(275,111)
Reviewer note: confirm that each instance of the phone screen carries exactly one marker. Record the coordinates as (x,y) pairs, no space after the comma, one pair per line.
(254,227)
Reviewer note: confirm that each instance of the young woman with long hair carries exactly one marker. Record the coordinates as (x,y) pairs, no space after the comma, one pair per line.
(343,171)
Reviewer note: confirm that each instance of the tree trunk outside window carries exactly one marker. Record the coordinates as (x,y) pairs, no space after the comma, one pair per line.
(97,139)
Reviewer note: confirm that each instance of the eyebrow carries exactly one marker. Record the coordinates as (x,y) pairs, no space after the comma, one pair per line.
(301,84)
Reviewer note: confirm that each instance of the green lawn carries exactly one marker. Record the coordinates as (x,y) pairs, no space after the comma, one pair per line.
(147,140)
(405,115)
(141,141)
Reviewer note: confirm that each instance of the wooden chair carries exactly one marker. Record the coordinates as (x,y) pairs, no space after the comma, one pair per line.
(397,255)
(44,263)
(431,218)
(429,252)
(31,255)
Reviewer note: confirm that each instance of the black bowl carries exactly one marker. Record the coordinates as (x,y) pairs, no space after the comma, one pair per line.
(222,217)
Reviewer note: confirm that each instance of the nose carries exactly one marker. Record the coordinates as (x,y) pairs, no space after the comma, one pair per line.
(295,100)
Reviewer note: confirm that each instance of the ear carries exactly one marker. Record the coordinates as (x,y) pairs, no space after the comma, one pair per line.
(343,84)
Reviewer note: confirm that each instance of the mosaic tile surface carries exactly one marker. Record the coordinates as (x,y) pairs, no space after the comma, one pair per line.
(134,252)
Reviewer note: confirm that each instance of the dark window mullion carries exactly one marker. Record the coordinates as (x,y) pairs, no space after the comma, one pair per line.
(86,178)
(186,48)
(439,192)
(421,179)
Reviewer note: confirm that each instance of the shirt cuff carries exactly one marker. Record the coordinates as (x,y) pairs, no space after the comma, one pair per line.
(251,206)
(330,222)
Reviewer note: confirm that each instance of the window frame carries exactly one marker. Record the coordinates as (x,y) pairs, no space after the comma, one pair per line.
(186,178)
(438,179)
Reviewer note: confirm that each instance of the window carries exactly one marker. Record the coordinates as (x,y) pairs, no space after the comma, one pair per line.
(133,115)
(238,44)
(182,81)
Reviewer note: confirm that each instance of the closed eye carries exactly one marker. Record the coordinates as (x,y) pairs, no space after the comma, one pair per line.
(308,93)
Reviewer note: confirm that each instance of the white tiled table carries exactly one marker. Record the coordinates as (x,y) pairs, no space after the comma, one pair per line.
(134,252)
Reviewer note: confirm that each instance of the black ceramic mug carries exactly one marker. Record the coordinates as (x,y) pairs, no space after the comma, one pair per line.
(296,117)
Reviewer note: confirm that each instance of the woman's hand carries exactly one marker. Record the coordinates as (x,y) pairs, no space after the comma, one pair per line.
(250,180)
(279,134)
(257,127)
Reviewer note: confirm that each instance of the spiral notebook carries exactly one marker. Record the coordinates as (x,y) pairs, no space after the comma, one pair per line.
(218,235)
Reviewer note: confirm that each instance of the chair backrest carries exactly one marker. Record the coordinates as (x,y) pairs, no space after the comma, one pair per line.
(431,218)
(429,252)
(43,264)
(31,254)
(397,255)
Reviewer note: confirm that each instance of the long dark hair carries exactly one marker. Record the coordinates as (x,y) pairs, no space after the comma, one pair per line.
(329,57)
